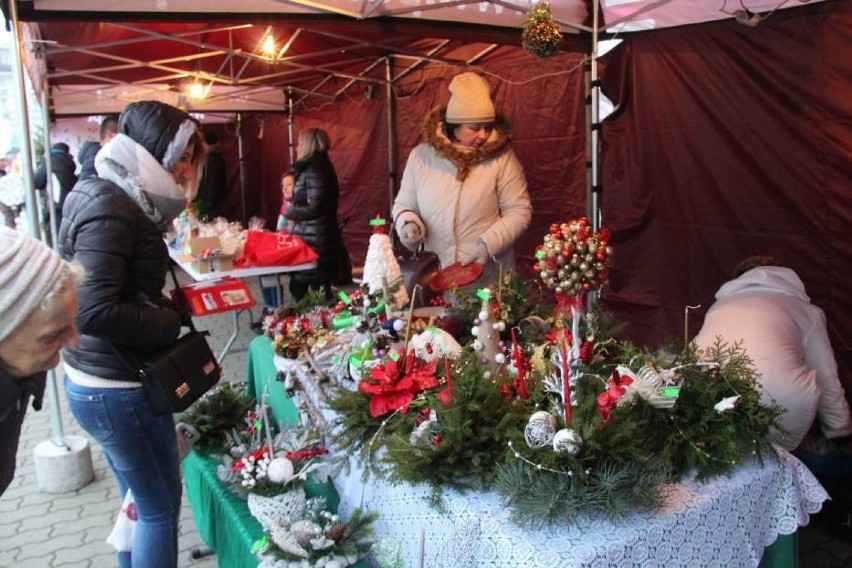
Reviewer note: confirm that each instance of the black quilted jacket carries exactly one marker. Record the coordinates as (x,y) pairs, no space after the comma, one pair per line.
(314,212)
(126,262)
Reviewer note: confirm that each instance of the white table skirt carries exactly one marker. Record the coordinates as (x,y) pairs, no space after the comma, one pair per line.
(724,522)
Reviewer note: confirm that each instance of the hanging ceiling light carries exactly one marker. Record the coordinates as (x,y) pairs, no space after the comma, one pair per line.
(197,90)
(269,45)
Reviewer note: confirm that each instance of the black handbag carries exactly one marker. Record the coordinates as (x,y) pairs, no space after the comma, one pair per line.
(177,376)
(418,267)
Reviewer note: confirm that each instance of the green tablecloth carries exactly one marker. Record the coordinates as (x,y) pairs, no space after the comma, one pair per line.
(223,519)
(261,374)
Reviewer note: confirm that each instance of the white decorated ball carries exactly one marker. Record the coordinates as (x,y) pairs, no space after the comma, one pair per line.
(567,441)
(280,470)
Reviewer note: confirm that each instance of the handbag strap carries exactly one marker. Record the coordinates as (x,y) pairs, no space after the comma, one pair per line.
(137,369)
(182,298)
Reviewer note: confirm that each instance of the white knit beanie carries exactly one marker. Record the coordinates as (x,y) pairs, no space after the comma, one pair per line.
(28,272)
(470,100)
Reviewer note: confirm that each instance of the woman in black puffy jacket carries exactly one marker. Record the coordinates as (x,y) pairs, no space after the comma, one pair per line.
(113,225)
(314,213)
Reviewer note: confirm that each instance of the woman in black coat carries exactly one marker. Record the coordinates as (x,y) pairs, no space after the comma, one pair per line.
(113,225)
(314,213)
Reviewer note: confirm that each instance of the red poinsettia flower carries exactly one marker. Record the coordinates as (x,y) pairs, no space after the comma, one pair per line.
(391,390)
(605,405)
(616,386)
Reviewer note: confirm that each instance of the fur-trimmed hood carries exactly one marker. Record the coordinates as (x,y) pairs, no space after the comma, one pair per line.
(463,157)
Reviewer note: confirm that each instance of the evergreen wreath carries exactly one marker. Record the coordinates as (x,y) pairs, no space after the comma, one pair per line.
(624,446)
(446,438)
(217,413)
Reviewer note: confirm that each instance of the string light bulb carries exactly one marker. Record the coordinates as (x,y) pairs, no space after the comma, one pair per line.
(197,90)
(269,45)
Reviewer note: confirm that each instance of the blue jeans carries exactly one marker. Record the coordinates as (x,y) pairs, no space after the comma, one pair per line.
(142,451)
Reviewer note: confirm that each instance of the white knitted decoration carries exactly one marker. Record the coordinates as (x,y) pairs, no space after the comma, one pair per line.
(279,509)
(381,265)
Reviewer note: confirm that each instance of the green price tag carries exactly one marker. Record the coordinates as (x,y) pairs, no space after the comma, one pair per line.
(539,255)
(343,320)
(394,355)
(483,294)
(260,544)
(344,297)
(670,392)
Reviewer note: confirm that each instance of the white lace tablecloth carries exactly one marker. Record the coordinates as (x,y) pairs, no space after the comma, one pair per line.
(726,521)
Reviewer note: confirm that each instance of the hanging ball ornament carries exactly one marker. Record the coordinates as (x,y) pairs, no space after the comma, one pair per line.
(540,429)
(582,271)
(542,35)
(567,441)
(280,470)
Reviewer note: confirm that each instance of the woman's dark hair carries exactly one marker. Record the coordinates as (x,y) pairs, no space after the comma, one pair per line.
(753,262)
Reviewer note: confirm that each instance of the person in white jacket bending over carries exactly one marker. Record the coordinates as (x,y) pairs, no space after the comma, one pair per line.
(463,192)
(766,307)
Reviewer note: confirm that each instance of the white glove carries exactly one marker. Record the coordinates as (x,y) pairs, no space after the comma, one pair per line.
(479,254)
(410,235)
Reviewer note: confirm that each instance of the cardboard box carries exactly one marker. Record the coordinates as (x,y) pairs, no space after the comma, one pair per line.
(208,255)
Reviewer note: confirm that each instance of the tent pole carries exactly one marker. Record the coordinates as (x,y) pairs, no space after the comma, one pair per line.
(49,189)
(57,432)
(291,127)
(595,126)
(24,124)
(593,136)
(391,134)
(241,157)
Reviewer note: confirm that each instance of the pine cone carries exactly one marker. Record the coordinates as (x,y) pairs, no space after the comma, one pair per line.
(587,352)
(336,532)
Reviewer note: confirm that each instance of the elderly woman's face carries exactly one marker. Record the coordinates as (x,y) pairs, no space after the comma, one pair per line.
(473,135)
(35,346)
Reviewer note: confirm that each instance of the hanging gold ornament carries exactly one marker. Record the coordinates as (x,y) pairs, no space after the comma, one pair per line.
(542,35)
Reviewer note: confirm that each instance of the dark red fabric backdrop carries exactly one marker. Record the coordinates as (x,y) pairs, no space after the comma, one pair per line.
(728,141)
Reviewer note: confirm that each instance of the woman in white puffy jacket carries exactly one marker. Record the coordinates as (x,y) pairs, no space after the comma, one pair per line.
(765,306)
(463,192)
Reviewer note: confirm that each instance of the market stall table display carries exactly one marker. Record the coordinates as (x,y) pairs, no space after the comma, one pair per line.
(735,521)
(223,518)
(535,437)
(238,273)
(753,514)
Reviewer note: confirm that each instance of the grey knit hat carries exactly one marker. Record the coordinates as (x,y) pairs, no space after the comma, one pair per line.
(28,272)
